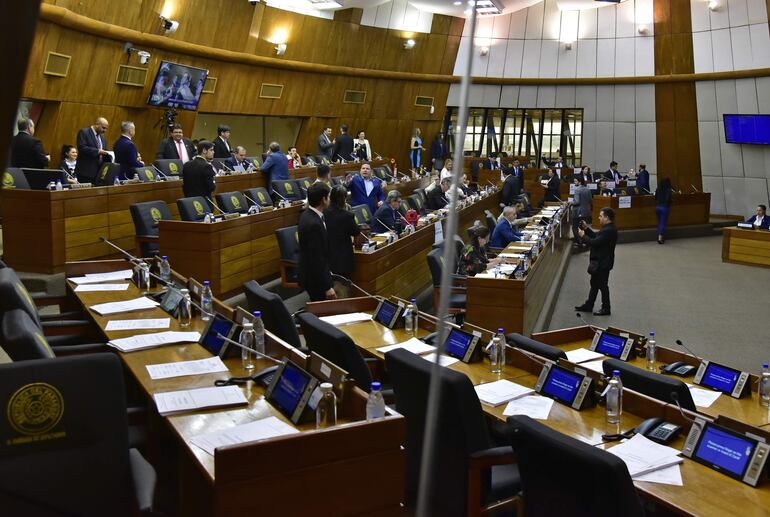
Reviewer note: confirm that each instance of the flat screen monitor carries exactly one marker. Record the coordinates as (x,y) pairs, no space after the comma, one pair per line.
(217,325)
(177,86)
(39,179)
(611,345)
(720,378)
(291,390)
(457,343)
(562,384)
(387,313)
(747,129)
(724,450)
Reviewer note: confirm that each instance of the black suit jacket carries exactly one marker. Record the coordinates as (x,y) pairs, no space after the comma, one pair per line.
(552,190)
(167,149)
(220,148)
(89,160)
(511,190)
(340,227)
(343,146)
(197,178)
(602,245)
(436,199)
(314,273)
(27,151)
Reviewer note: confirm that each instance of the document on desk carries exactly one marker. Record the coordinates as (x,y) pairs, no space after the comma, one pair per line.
(414,345)
(582,355)
(443,360)
(141,324)
(533,406)
(185,368)
(94,288)
(143,341)
(510,255)
(187,400)
(137,304)
(260,430)
(93,278)
(500,392)
(641,455)
(594,365)
(668,476)
(346,319)
(703,398)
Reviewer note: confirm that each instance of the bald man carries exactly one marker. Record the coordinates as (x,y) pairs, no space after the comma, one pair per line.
(92,150)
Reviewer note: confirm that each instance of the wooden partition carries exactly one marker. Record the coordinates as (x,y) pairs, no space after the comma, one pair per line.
(749,247)
(686,209)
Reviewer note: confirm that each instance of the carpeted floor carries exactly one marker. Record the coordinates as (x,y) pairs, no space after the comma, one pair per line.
(681,290)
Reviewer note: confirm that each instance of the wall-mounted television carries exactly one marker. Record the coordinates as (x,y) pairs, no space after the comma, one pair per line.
(177,86)
(747,129)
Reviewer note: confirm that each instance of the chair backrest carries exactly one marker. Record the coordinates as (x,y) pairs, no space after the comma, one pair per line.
(462,429)
(275,315)
(219,164)
(436,265)
(13,295)
(544,350)
(388,169)
(415,202)
(304,184)
(334,345)
(260,195)
(170,167)
(458,243)
(288,243)
(379,172)
(323,159)
(146,217)
(651,384)
(338,180)
(361,214)
(423,196)
(491,221)
(566,477)
(145,174)
(107,174)
(193,208)
(232,202)
(256,161)
(21,337)
(13,177)
(81,465)
(287,188)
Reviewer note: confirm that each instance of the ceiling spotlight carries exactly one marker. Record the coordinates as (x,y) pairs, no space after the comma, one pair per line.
(713,5)
(280,49)
(409,44)
(568,45)
(484,51)
(458,3)
(170,26)
(643,30)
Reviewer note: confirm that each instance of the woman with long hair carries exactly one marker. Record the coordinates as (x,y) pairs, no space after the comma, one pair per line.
(474,258)
(341,227)
(415,149)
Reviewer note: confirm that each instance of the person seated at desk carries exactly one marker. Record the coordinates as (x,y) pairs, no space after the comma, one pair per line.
(437,197)
(603,189)
(69,161)
(295,160)
(446,172)
(176,147)
(463,190)
(585,175)
(434,181)
(552,187)
(505,231)
(760,219)
(365,189)
(387,218)
(474,258)
(238,161)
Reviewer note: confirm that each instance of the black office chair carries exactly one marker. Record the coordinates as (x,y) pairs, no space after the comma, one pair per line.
(288,244)
(491,221)
(387,169)
(107,174)
(232,202)
(303,184)
(220,165)
(275,315)
(322,159)
(334,345)
(22,338)
(260,195)
(456,241)
(83,464)
(461,441)
(13,177)
(287,189)
(145,174)
(458,297)
(423,196)
(564,477)
(651,384)
(544,350)
(361,214)
(170,167)
(256,161)
(193,208)
(146,217)
(338,180)
(378,172)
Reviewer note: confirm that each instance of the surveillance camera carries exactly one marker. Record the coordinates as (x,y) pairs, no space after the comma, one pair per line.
(144,57)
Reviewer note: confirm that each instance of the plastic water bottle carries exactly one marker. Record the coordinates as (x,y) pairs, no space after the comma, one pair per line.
(207,302)
(326,411)
(165,269)
(652,349)
(410,318)
(497,352)
(185,308)
(247,340)
(116,183)
(764,387)
(614,398)
(526,262)
(207,218)
(259,333)
(497,270)
(58,185)
(375,404)
(144,277)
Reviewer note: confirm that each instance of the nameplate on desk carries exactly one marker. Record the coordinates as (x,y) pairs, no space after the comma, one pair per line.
(609,185)
(571,188)
(624,202)
(746,226)
(723,378)
(592,186)
(232,216)
(631,183)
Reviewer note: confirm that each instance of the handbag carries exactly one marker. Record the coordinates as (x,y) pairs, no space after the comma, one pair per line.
(593,267)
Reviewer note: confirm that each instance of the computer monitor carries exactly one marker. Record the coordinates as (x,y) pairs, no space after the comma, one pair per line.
(461,344)
(290,390)
(39,179)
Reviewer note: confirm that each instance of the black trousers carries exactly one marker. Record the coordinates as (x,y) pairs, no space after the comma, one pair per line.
(599,281)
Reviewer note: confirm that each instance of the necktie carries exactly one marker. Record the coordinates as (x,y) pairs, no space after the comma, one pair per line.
(179,150)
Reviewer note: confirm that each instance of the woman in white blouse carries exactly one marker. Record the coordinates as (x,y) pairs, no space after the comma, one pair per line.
(361,147)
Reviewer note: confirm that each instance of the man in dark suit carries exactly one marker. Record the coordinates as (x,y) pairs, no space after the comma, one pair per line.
(176,147)
(238,159)
(26,150)
(365,189)
(643,179)
(314,273)
(612,173)
(518,171)
(343,145)
(760,219)
(511,188)
(438,151)
(92,150)
(552,187)
(221,143)
(276,166)
(198,173)
(325,144)
(558,163)
(602,259)
(388,218)
(125,150)
(437,197)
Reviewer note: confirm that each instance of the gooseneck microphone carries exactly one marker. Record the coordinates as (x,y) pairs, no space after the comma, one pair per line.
(215,206)
(679,342)
(596,329)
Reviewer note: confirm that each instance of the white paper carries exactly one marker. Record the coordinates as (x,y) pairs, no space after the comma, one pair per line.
(86,288)
(439,232)
(92,278)
(184,368)
(148,323)
(137,304)
(510,255)
(624,202)
(444,360)
(499,392)
(592,186)
(610,184)
(533,406)
(186,400)
(571,188)
(641,455)
(703,398)
(582,355)
(414,345)
(344,319)
(261,429)
(143,341)
(667,476)
(630,183)
(594,365)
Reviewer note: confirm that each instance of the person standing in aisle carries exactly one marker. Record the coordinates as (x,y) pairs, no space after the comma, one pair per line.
(663,207)
(601,260)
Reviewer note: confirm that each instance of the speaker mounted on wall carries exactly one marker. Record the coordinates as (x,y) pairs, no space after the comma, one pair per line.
(57,65)
(270,91)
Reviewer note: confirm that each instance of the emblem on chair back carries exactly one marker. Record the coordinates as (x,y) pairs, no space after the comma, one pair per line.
(256,163)
(289,188)
(25,294)
(105,170)
(235,202)
(173,168)
(155,214)
(8,180)
(261,196)
(198,207)
(148,174)
(366,214)
(34,410)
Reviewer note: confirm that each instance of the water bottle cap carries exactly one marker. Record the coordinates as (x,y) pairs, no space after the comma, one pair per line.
(184,291)
(764,365)
(499,331)
(326,386)
(205,282)
(164,257)
(257,314)
(414,301)
(376,386)
(652,333)
(615,372)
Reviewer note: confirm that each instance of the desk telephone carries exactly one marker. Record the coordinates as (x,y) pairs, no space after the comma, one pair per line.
(656,429)
(679,368)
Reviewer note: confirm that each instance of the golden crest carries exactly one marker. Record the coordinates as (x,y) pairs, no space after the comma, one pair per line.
(289,188)
(198,207)
(255,162)
(35,408)
(172,167)
(105,170)
(155,214)
(25,294)
(8,180)
(235,202)
(261,196)
(148,174)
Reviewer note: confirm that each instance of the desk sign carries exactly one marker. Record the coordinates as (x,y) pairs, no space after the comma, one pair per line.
(741,456)
(566,386)
(746,226)
(609,185)
(612,345)
(723,378)
(631,183)
(571,188)
(592,186)
(624,202)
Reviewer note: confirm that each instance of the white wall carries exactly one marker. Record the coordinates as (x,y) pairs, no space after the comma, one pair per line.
(398,15)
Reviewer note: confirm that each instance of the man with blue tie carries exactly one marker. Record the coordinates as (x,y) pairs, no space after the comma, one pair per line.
(760,219)
(125,150)
(92,151)
(504,233)
(366,190)
(388,218)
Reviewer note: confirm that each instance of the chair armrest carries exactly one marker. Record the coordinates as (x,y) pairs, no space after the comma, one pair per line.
(71,315)
(144,478)
(65,323)
(147,238)
(489,457)
(85,348)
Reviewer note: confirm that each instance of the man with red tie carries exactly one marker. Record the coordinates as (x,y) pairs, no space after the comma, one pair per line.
(176,147)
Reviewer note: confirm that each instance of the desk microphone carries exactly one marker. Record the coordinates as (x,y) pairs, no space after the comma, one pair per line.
(646,190)
(695,189)
(282,198)
(492,184)
(389,175)
(679,342)
(675,397)
(385,225)
(376,155)
(529,355)
(342,160)
(215,206)
(227,168)
(349,283)
(596,329)
(165,177)
(251,199)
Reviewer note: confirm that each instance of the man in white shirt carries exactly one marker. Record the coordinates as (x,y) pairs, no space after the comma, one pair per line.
(760,219)
(176,147)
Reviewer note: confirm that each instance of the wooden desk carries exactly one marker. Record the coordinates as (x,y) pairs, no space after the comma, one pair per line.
(531,184)
(337,169)
(686,209)
(748,247)
(401,268)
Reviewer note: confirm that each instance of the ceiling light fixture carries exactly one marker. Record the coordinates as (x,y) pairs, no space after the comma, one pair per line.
(409,44)
(169,26)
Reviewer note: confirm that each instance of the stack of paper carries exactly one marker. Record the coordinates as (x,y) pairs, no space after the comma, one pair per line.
(142,341)
(533,406)
(187,400)
(596,366)
(261,429)
(703,398)
(582,355)
(92,278)
(414,345)
(184,368)
(85,288)
(641,455)
(499,392)
(147,323)
(443,360)
(137,304)
(344,319)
